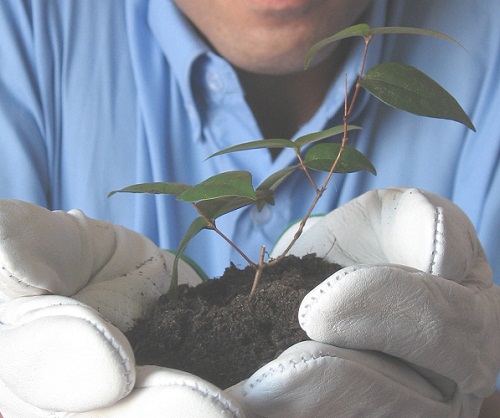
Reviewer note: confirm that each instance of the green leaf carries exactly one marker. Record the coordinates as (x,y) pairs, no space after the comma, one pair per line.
(261,143)
(322,156)
(196,226)
(275,179)
(361,29)
(327,133)
(264,197)
(405,87)
(265,191)
(215,208)
(396,30)
(230,183)
(154,188)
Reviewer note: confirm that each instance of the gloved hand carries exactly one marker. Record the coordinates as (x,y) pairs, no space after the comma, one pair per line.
(69,286)
(410,329)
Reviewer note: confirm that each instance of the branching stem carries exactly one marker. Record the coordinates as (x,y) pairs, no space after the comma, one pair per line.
(211,225)
(261,265)
(306,172)
(319,191)
(360,76)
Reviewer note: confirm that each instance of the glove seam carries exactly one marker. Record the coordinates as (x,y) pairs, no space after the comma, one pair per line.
(116,348)
(281,367)
(438,222)
(8,274)
(205,392)
(312,300)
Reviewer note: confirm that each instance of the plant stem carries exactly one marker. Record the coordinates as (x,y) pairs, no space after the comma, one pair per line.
(306,171)
(213,227)
(360,76)
(259,269)
(261,265)
(319,192)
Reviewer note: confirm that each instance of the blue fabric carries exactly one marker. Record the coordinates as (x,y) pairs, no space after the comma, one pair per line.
(98,95)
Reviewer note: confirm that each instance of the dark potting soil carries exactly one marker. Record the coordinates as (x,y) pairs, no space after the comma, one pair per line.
(219,333)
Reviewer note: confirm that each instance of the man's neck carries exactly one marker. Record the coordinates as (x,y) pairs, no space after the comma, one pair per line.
(282,103)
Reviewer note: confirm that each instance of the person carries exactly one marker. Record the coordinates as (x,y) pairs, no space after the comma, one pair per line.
(100,95)
(146,109)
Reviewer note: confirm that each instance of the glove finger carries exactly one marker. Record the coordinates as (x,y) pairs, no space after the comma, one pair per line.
(169,393)
(60,253)
(189,272)
(127,297)
(287,236)
(397,226)
(13,407)
(426,320)
(39,250)
(54,349)
(318,380)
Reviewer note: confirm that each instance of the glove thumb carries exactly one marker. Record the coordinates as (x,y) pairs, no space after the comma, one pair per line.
(54,345)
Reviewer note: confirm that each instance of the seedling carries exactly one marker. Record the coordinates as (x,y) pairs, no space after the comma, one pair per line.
(395,84)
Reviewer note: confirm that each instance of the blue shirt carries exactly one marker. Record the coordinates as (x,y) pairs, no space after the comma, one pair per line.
(98,95)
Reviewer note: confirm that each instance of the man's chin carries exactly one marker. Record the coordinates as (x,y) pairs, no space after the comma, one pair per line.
(274,65)
(282,6)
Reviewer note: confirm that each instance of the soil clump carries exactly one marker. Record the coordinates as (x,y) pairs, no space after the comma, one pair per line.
(219,333)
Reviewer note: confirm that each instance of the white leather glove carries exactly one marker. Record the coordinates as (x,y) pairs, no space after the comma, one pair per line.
(69,286)
(410,329)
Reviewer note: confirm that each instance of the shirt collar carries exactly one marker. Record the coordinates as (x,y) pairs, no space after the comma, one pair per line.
(187,54)
(182,48)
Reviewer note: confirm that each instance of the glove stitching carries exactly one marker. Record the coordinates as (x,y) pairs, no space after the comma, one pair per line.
(215,397)
(117,349)
(207,393)
(281,368)
(438,221)
(312,300)
(11,275)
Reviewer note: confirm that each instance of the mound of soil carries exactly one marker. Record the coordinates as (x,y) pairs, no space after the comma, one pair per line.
(221,334)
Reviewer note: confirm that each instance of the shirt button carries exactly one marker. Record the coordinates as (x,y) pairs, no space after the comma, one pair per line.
(262,217)
(214,81)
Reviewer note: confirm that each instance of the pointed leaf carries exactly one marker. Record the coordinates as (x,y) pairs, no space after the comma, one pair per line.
(262,203)
(261,143)
(230,183)
(411,31)
(404,87)
(264,197)
(215,208)
(361,29)
(322,156)
(196,226)
(327,133)
(275,179)
(154,188)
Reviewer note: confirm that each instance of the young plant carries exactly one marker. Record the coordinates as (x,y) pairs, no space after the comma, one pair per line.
(395,84)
